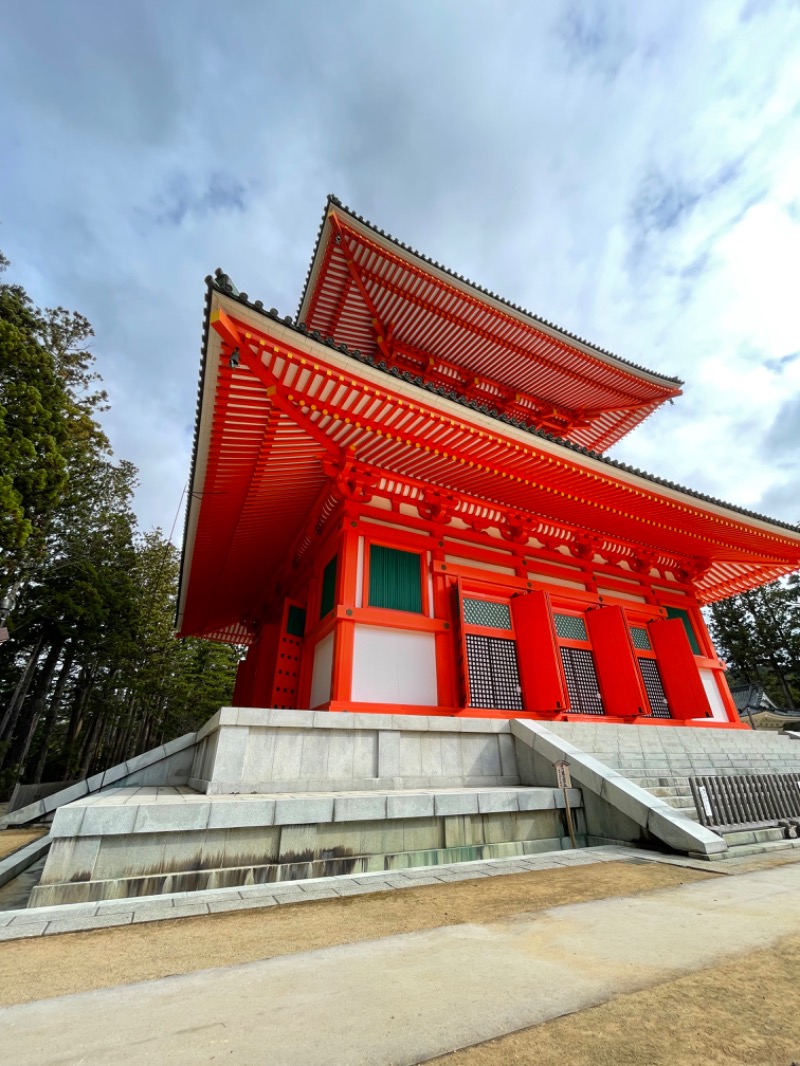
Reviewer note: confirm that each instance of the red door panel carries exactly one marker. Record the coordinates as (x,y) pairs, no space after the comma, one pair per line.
(544,688)
(679,674)
(615,662)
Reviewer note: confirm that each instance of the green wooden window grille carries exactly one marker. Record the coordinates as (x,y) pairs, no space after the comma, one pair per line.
(678,612)
(570,627)
(328,588)
(296,621)
(482,613)
(640,638)
(395,579)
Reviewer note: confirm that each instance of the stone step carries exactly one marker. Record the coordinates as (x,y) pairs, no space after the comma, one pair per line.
(681,801)
(739,837)
(745,760)
(671,792)
(679,783)
(743,850)
(682,804)
(182,809)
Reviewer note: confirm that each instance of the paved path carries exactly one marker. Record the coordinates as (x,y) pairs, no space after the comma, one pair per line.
(407,998)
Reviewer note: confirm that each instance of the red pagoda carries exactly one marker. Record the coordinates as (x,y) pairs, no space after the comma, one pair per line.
(400,503)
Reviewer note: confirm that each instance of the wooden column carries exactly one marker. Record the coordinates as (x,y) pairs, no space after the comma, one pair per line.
(344,630)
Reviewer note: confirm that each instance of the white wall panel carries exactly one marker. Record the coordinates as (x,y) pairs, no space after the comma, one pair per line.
(479,564)
(621,595)
(714,697)
(394,666)
(321,674)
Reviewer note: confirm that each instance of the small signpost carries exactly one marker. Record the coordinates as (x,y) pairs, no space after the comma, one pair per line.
(705,800)
(565,784)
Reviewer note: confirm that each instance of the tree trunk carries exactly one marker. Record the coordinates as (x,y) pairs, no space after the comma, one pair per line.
(18,752)
(52,714)
(11,713)
(90,746)
(82,690)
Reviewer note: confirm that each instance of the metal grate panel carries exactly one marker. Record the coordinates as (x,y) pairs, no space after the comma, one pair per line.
(655,690)
(584,692)
(493,673)
(640,638)
(482,613)
(570,627)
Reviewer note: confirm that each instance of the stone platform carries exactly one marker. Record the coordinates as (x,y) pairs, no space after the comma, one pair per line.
(148,841)
(262,796)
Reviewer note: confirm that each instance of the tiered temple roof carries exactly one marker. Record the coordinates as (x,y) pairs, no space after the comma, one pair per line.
(421,412)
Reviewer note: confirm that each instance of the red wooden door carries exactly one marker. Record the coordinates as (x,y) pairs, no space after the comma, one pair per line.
(618,673)
(544,687)
(679,674)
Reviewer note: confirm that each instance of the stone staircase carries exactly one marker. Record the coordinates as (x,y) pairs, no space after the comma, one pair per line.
(661,761)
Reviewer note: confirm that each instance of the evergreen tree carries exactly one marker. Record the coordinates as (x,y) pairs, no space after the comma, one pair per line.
(758,632)
(33,432)
(91,674)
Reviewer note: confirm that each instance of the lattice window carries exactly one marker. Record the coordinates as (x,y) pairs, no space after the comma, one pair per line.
(640,638)
(483,613)
(584,692)
(654,688)
(570,627)
(493,673)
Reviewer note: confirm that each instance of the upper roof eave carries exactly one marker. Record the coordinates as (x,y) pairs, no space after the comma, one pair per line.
(672,383)
(576,449)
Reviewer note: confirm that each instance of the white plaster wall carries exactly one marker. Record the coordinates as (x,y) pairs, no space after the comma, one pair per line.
(479,564)
(714,697)
(321,674)
(621,595)
(550,580)
(394,666)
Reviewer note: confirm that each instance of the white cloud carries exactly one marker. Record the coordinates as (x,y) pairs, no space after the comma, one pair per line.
(629,171)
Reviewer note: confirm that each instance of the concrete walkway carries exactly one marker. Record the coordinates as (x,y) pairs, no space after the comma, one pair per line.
(404,999)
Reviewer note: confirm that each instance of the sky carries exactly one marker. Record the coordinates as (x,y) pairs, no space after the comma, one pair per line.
(629,171)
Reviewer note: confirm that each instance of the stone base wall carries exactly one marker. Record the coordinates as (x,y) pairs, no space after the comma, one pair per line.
(91,868)
(243,750)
